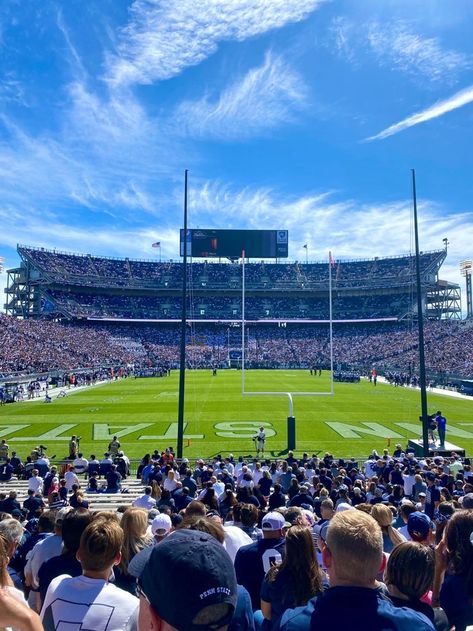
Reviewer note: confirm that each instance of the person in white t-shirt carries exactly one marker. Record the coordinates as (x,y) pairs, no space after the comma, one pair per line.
(145,501)
(80,464)
(90,601)
(70,477)
(35,483)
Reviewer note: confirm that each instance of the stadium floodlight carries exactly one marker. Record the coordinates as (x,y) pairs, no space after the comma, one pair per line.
(466,269)
(291,421)
(2,261)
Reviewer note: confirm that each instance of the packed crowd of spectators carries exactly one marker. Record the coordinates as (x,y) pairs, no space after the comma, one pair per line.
(37,346)
(294,544)
(32,345)
(378,272)
(80,304)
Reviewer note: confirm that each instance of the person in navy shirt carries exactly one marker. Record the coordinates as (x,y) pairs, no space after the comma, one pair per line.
(254,560)
(353,556)
(441,427)
(432,494)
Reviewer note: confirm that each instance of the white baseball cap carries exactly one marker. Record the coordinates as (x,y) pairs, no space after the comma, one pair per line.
(161,524)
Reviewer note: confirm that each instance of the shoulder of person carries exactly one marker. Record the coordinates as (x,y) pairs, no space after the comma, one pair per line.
(298,619)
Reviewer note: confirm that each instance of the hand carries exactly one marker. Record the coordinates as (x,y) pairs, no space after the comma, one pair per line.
(441,556)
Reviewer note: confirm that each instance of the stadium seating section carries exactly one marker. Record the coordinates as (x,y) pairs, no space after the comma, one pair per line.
(84,286)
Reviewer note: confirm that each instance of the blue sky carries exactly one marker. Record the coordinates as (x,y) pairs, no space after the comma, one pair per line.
(304,115)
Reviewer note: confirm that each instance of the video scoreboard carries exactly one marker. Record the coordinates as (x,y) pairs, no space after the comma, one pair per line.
(257,244)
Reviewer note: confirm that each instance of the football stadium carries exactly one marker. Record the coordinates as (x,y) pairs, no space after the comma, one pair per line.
(236,333)
(88,320)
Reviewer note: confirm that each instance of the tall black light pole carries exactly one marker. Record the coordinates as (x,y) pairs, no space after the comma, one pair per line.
(182,367)
(420,324)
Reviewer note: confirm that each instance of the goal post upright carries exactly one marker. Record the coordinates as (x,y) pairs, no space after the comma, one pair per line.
(291,420)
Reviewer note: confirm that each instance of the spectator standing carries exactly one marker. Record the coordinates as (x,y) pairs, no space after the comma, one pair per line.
(35,483)
(453,583)
(114,446)
(89,601)
(4,449)
(12,531)
(432,499)
(253,561)
(73,525)
(134,524)
(353,554)
(391,537)
(71,478)
(160,528)
(293,582)
(441,427)
(409,577)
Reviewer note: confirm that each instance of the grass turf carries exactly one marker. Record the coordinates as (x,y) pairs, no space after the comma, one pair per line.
(143,413)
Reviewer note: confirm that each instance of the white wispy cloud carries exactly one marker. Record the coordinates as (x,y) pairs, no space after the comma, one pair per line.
(162,38)
(107,154)
(399,47)
(53,230)
(74,55)
(263,99)
(325,221)
(460,99)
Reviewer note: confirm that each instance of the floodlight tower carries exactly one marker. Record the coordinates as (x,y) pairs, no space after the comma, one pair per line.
(466,270)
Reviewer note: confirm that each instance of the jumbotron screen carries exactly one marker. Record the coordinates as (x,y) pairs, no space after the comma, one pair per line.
(257,244)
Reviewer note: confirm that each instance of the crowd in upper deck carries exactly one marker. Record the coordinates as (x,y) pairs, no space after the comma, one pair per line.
(370,273)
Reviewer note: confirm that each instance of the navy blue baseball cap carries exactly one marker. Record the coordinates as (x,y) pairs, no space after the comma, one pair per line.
(419,523)
(188,572)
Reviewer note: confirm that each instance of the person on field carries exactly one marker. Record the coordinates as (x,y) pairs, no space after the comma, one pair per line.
(260,440)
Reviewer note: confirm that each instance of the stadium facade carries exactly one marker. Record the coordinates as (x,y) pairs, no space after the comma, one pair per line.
(50,284)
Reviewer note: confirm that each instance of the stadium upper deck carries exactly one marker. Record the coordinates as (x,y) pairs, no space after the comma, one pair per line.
(57,284)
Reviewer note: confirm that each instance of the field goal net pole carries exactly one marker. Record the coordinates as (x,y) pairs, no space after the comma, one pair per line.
(291,420)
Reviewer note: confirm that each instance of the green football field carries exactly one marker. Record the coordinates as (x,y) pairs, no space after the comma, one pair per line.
(219,419)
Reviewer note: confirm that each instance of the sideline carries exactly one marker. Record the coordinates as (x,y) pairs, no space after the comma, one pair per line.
(441,391)
(56,391)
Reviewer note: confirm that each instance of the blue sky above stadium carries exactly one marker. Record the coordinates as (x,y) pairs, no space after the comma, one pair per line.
(304,115)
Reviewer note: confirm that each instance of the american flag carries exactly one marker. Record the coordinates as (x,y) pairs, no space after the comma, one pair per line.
(156,245)
(331,259)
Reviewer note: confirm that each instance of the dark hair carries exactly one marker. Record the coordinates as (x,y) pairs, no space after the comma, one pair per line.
(410,569)
(210,499)
(46,521)
(73,525)
(300,563)
(460,550)
(249,515)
